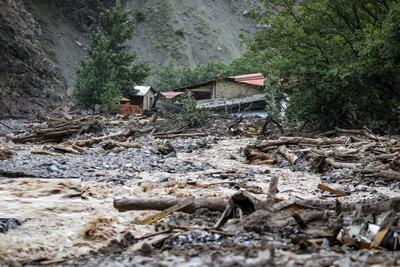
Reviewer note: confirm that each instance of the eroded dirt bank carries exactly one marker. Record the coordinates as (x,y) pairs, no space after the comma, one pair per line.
(63,202)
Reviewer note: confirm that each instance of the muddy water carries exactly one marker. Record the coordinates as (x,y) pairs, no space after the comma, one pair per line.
(65,218)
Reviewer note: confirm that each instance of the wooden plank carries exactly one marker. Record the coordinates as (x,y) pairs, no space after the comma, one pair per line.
(154,218)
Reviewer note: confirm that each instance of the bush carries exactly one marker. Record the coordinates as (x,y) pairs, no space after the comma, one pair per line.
(140,17)
(189,115)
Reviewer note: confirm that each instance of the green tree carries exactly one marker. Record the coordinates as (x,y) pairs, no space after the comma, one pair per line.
(110,69)
(168,77)
(339,60)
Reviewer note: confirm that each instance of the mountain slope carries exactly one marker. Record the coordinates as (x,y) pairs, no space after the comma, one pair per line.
(182,31)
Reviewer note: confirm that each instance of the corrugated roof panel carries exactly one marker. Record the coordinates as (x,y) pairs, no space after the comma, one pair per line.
(142,90)
(170,95)
(254,79)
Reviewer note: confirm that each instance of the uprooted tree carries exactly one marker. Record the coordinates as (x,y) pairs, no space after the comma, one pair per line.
(110,69)
(339,60)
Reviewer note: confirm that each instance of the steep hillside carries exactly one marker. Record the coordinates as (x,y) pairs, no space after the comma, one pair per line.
(189,32)
(30,83)
(55,33)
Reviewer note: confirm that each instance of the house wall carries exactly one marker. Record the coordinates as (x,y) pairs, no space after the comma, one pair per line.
(203,91)
(148,100)
(229,89)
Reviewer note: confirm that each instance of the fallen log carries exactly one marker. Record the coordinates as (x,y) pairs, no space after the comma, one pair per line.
(291,157)
(253,154)
(364,132)
(181,135)
(385,157)
(389,174)
(341,165)
(66,149)
(15,174)
(164,203)
(60,131)
(300,140)
(96,140)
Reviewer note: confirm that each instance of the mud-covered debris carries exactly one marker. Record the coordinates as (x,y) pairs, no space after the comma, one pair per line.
(355,152)
(335,192)
(383,233)
(166,148)
(5,154)
(56,132)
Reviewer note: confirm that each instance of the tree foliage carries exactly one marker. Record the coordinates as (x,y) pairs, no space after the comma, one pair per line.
(190,115)
(168,77)
(110,69)
(339,60)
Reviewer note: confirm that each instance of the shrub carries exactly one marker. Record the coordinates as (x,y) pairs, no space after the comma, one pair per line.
(189,115)
(140,16)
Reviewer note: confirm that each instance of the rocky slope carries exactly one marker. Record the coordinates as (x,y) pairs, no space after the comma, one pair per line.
(30,83)
(42,42)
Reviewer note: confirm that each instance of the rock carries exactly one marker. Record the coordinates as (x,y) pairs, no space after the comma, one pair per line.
(171,155)
(146,250)
(7,224)
(52,168)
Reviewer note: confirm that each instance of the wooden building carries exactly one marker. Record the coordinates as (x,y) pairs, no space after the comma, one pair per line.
(142,101)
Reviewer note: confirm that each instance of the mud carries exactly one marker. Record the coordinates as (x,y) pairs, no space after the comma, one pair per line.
(67,217)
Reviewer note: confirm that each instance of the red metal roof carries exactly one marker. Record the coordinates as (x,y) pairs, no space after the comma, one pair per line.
(254,79)
(170,95)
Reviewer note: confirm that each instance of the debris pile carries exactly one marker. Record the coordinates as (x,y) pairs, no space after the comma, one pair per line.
(357,152)
(60,130)
(188,195)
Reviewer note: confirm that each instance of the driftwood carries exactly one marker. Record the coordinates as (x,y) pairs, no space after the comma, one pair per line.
(292,158)
(300,140)
(65,149)
(96,140)
(364,132)
(253,154)
(331,190)
(167,136)
(164,203)
(340,165)
(359,150)
(60,131)
(219,204)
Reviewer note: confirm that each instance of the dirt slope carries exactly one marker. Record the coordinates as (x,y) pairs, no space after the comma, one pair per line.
(30,83)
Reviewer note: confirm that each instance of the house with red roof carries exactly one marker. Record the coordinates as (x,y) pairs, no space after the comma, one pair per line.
(223,88)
